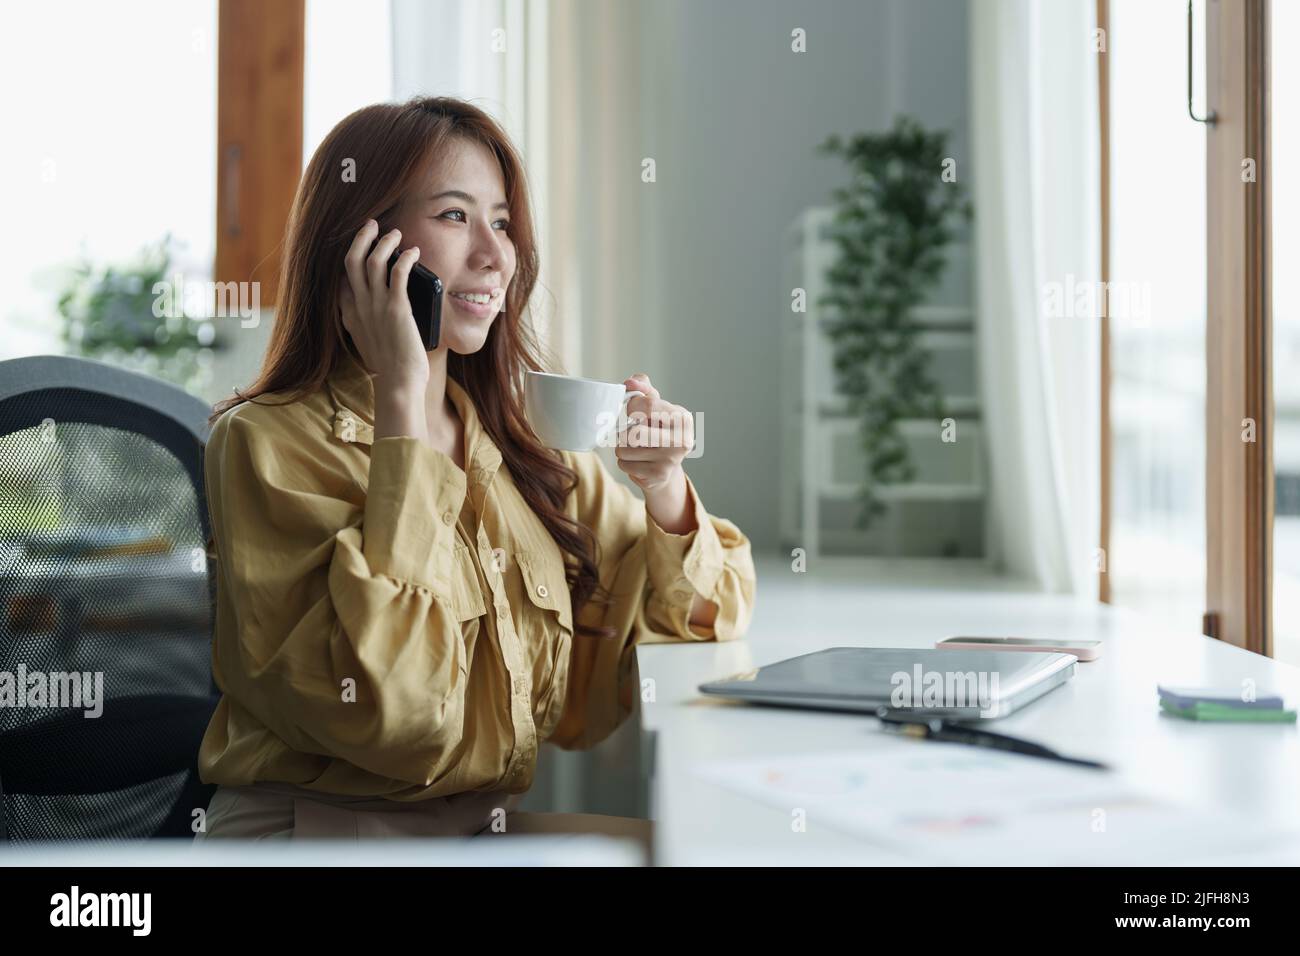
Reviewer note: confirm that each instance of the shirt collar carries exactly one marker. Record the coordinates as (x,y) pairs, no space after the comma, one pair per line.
(353,396)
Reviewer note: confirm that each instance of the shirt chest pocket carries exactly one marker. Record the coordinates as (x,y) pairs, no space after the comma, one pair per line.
(546,589)
(547,613)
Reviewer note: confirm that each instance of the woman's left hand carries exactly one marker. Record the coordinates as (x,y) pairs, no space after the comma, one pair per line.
(651,450)
(657,439)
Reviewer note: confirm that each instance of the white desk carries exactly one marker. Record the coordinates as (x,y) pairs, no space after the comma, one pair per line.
(522,850)
(1109,710)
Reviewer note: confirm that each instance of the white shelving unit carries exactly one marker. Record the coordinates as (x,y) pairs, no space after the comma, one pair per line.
(941,514)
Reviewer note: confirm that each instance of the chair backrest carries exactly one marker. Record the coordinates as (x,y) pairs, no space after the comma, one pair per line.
(106,603)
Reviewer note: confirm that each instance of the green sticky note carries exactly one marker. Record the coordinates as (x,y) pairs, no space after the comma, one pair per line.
(1204,711)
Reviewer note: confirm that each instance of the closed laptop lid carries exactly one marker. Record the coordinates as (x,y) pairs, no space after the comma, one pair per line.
(920,678)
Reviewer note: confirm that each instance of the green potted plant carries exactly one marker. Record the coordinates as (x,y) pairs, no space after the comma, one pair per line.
(892,226)
(109,314)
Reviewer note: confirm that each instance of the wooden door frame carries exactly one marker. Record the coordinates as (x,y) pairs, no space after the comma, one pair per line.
(1239,472)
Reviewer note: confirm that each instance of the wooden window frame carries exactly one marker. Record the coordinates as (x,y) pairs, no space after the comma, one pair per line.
(261,51)
(1239,473)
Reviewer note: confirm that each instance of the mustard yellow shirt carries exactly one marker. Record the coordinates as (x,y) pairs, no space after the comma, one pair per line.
(388,624)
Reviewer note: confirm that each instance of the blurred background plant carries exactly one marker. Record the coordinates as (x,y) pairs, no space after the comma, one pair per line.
(892,226)
(109,314)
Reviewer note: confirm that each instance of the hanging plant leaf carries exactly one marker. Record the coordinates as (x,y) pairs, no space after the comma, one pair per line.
(892,227)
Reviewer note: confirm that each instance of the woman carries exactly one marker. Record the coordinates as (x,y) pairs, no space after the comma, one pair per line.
(413,592)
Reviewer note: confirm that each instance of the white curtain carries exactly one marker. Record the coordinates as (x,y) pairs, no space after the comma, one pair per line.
(1036,192)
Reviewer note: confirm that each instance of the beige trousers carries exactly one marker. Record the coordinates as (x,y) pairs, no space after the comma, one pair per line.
(282,812)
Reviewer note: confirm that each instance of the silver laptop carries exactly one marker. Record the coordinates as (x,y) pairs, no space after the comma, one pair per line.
(943,683)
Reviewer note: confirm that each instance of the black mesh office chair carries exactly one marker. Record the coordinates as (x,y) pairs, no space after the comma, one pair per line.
(103,571)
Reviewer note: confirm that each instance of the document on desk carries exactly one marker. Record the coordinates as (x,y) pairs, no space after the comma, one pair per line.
(959,805)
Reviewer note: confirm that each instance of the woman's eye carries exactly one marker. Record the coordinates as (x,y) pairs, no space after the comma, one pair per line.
(461,213)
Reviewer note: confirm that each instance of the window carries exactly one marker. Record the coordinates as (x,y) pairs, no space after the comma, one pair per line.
(1285,131)
(1157,318)
(117,150)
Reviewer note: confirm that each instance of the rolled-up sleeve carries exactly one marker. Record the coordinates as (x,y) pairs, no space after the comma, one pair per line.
(337,626)
(712,561)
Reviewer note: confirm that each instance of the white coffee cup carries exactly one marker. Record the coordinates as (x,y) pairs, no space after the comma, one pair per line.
(573,414)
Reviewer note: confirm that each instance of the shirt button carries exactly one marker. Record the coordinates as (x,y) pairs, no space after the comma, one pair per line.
(542,591)
(521,687)
(448,518)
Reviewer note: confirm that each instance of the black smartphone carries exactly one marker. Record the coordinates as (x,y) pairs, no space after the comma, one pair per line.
(424,289)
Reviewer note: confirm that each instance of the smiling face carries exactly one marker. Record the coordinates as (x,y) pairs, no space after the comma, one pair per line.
(459,220)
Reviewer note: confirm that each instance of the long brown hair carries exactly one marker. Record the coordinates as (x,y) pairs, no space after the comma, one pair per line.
(394,145)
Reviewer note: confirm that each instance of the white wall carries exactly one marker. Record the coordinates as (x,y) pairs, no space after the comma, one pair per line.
(734,147)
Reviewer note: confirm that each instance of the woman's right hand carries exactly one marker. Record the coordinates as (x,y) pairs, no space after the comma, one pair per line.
(378,317)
